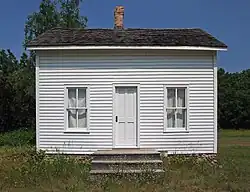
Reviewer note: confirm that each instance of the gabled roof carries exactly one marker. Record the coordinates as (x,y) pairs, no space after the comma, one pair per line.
(192,37)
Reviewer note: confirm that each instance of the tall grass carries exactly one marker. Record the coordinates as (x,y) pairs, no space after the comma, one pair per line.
(24,169)
(17,138)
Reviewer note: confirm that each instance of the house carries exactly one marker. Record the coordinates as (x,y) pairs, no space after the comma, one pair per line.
(100,89)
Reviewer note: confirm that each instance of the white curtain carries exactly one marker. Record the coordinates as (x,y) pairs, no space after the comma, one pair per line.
(81,97)
(75,114)
(171,97)
(181,118)
(181,113)
(82,113)
(72,118)
(181,97)
(170,112)
(72,98)
(72,104)
(171,118)
(82,118)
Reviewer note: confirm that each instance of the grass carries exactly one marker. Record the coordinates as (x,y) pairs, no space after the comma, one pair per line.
(17,138)
(22,169)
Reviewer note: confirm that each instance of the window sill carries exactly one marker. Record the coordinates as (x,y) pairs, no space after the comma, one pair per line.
(181,130)
(76,131)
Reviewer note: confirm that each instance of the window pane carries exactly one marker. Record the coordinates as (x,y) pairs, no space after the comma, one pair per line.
(72,118)
(171,118)
(181,97)
(171,97)
(72,97)
(82,118)
(181,118)
(81,97)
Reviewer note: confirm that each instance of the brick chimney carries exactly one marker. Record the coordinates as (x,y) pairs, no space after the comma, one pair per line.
(119,15)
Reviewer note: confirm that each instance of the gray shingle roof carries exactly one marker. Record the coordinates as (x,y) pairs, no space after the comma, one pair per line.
(126,37)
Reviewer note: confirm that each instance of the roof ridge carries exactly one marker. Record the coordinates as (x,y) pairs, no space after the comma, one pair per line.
(78,28)
(165,28)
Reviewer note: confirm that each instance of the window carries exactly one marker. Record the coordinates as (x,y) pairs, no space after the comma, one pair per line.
(77,108)
(175,109)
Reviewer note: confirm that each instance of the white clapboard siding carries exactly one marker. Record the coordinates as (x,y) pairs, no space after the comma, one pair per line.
(152,70)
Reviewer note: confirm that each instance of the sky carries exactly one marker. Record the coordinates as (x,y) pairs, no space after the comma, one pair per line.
(227,20)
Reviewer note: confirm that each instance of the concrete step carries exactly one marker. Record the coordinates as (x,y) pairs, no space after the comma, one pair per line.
(126,154)
(127,151)
(126,161)
(123,171)
(126,164)
(126,157)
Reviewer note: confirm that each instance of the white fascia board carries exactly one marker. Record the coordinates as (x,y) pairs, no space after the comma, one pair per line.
(127,47)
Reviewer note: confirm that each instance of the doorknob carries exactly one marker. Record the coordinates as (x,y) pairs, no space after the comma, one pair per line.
(116,118)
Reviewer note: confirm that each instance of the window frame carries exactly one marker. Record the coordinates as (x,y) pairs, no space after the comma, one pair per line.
(176,86)
(66,108)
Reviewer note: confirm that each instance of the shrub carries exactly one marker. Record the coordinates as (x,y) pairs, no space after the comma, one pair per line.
(17,138)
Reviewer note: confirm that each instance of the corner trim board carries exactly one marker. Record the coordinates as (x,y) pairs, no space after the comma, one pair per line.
(37,104)
(215,106)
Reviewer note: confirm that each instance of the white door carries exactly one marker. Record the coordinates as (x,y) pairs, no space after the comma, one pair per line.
(125,117)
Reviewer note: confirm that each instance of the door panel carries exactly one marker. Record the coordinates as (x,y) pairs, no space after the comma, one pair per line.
(125,127)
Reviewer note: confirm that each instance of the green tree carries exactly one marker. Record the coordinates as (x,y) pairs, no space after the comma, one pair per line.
(22,83)
(8,64)
(17,78)
(69,14)
(234,99)
(53,13)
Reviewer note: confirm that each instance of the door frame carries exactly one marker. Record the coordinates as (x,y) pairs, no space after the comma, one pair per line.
(137,86)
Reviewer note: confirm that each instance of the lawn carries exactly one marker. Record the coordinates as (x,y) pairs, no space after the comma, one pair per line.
(22,169)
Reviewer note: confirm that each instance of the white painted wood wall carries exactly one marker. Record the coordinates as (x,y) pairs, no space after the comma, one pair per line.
(152,70)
